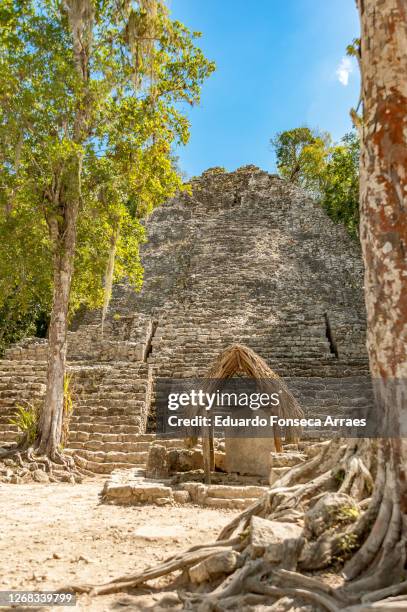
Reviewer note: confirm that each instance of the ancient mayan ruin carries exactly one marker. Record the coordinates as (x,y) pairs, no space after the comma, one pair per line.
(248,258)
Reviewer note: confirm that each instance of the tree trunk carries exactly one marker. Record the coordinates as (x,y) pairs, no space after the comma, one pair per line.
(63,235)
(109,274)
(63,230)
(383,218)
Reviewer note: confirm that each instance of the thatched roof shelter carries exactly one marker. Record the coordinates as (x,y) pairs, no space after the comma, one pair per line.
(240,359)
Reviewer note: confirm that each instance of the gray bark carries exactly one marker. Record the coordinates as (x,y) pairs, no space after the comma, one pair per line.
(64,239)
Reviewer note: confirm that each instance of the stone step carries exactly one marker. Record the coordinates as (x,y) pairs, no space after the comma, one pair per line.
(135,458)
(99,445)
(235,492)
(8,435)
(106,416)
(172,443)
(111,425)
(83,436)
(32,385)
(129,487)
(230,503)
(103,468)
(88,404)
(88,395)
(100,414)
(20,383)
(105,428)
(5,421)
(134,490)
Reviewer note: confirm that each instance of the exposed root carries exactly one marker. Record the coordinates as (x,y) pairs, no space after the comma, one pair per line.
(231,586)
(326,602)
(369,535)
(391,591)
(182,561)
(380,560)
(22,463)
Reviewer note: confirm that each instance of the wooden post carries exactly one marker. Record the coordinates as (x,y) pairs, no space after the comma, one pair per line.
(206,451)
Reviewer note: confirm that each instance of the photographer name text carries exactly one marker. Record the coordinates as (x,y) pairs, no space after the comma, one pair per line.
(257,421)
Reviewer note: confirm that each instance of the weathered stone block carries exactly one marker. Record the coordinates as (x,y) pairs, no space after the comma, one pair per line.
(331,509)
(40,476)
(181,497)
(149,491)
(184,460)
(221,563)
(249,455)
(286,459)
(197,491)
(220,461)
(157,463)
(269,537)
(118,491)
(163,501)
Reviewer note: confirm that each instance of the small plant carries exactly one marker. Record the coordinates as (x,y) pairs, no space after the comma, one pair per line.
(26,418)
(116,316)
(347,514)
(339,476)
(347,544)
(68,409)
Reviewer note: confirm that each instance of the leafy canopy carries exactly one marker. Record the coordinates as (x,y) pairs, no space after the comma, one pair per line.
(301,155)
(329,171)
(121,121)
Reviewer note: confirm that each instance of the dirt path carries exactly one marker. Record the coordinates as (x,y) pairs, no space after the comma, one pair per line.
(55,534)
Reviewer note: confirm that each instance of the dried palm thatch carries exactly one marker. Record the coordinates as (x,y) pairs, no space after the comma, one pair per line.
(240,359)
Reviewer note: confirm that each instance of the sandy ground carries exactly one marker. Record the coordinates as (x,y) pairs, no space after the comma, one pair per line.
(52,535)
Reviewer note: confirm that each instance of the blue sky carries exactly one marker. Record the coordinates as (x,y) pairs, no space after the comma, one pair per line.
(277,68)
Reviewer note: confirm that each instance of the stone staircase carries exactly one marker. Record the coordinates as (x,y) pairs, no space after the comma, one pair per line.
(21,382)
(111,403)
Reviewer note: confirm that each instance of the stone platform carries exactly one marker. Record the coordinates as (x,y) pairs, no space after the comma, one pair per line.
(130,487)
(227,490)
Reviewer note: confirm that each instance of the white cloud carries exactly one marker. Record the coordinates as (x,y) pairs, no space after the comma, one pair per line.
(344,70)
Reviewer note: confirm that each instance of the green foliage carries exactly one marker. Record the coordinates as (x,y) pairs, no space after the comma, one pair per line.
(347,514)
(68,408)
(329,171)
(353,50)
(340,186)
(103,132)
(346,545)
(25,274)
(301,156)
(339,476)
(26,418)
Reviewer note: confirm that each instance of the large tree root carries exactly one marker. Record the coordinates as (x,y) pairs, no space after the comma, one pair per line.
(26,462)
(368,543)
(183,561)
